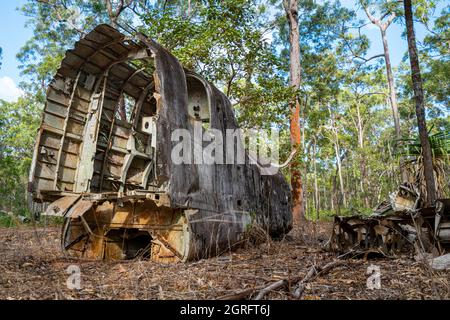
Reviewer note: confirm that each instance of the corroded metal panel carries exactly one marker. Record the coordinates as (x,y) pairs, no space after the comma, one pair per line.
(59,207)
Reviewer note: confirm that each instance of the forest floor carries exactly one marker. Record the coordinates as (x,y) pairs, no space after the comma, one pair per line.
(33,267)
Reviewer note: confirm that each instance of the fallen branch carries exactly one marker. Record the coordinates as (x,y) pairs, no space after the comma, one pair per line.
(273,286)
(313,273)
(263,290)
(241,294)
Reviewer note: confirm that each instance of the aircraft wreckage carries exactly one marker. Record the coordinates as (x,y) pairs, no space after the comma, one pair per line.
(400,225)
(102,158)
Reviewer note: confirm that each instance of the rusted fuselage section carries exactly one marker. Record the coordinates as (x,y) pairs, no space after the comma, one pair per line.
(103,158)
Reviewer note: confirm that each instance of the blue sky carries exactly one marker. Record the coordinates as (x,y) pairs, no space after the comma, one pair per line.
(14,35)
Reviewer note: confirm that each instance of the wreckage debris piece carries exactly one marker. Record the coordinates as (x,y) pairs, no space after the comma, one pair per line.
(441,262)
(397,226)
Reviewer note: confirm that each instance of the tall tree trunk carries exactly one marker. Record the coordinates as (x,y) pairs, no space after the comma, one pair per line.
(390,78)
(392,94)
(338,157)
(332,197)
(111,14)
(291,8)
(339,167)
(420,107)
(389,74)
(362,163)
(316,188)
(335,193)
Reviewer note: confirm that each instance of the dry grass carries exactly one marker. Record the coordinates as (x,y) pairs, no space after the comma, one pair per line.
(32,267)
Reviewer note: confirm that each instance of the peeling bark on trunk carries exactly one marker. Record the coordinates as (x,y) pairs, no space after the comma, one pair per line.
(291,8)
(420,106)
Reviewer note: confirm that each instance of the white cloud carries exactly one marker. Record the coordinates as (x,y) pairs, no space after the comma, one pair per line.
(9,90)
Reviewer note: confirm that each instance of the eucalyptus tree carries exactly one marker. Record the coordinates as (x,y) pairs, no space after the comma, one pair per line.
(313,73)
(383,22)
(419,103)
(291,10)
